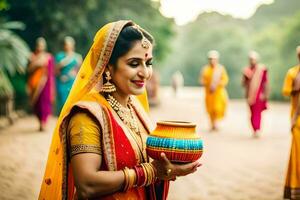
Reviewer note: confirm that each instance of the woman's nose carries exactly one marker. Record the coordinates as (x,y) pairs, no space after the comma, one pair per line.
(143,71)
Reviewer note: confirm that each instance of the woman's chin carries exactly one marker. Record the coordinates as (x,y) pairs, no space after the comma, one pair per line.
(138,91)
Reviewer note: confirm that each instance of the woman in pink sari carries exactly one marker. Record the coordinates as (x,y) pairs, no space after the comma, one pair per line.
(41,82)
(255,81)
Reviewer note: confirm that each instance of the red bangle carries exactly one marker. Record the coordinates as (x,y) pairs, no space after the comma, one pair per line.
(140,175)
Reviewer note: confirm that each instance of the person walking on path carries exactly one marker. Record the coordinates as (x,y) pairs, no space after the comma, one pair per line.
(67,65)
(214,78)
(41,82)
(255,82)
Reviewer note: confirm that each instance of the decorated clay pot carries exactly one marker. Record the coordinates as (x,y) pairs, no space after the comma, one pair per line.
(178,140)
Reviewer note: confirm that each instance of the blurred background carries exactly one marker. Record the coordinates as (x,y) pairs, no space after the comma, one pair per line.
(184,30)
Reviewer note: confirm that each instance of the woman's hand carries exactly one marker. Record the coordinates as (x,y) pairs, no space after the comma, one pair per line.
(168,171)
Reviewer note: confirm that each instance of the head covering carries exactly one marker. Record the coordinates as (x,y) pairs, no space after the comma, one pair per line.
(253,55)
(88,78)
(213,54)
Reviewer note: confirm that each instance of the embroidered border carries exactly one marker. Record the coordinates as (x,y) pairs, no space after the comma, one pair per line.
(291,193)
(105,54)
(84,148)
(108,146)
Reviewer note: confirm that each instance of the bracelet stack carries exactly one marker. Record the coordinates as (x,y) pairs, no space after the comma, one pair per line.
(130,179)
(140,176)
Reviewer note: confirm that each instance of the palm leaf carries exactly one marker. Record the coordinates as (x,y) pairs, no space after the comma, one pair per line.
(13,25)
(14,51)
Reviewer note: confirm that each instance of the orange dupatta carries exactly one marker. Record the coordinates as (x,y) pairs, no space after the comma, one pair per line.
(38,77)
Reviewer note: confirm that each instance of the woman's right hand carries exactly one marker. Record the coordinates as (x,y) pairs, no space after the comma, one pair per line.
(165,170)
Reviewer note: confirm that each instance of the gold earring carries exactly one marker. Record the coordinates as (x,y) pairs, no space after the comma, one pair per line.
(108,87)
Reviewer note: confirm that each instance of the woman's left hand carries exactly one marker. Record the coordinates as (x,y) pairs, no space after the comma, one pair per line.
(169,171)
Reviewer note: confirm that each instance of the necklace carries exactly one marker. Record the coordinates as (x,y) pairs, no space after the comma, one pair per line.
(127,115)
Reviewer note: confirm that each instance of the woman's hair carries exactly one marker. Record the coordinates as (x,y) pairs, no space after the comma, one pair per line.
(126,40)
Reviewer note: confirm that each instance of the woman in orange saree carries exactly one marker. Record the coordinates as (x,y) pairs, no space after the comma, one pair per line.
(255,81)
(41,82)
(98,147)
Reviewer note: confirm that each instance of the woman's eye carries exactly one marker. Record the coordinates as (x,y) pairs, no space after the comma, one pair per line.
(149,63)
(134,64)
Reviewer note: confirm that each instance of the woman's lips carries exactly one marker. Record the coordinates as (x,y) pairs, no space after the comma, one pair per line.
(139,83)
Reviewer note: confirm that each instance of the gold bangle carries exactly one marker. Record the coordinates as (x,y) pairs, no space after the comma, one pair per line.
(132,178)
(150,173)
(146,175)
(126,179)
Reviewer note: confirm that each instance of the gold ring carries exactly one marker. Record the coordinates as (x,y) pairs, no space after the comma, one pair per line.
(169,172)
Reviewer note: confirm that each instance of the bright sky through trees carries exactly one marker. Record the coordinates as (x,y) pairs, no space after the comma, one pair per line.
(184,11)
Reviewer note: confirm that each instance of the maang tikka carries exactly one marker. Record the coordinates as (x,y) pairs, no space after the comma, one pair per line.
(108,87)
(145,42)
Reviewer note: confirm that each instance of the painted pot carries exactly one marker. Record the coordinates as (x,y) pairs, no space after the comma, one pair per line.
(178,140)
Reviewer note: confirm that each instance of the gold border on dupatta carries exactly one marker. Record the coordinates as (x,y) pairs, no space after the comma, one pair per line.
(255,83)
(105,54)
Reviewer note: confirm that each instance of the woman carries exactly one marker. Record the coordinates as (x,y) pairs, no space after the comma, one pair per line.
(41,82)
(98,149)
(291,87)
(67,64)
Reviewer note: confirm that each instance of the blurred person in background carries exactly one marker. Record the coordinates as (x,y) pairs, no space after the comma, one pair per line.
(214,78)
(291,88)
(177,82)
(152,88)
(41,82)
(67,65)
(255,82)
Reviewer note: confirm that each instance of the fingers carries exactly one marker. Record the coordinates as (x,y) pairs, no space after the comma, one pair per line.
(185,169)
(165,159)
(191,166)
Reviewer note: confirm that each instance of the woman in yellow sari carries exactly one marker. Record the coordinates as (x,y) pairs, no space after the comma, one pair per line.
(214,78)
(291,88)
(98,147)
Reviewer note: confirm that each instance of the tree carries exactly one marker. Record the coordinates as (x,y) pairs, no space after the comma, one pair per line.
(14,54)
(81,19)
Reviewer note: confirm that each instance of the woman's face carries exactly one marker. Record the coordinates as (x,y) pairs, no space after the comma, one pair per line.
(68,46)
(213,61)
(40,46)
(132,70)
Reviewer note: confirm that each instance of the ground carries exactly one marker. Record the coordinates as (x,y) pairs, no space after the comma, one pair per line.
(236,166)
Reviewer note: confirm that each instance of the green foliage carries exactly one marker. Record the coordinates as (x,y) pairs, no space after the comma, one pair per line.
(14,51)
(14,54)
(4,5)
(274,13)
(277,43)
(6,89)
(81,19)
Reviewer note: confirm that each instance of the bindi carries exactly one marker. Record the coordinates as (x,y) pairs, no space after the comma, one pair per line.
(146,55)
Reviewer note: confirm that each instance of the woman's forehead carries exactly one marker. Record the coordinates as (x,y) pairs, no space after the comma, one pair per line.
(138,51)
